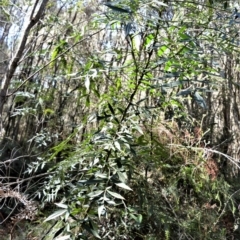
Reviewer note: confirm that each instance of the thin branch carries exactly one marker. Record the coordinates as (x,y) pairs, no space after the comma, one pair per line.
(47,64)
(26,179)
(15,60)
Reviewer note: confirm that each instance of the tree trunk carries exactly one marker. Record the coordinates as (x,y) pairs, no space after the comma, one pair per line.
(34,18)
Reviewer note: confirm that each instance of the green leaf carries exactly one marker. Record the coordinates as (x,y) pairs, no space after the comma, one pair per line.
(61,205)
(111,109)
(211,2)
(87,83)
(116,120)
(56,214)
(117,145)
(58,232)
(91,228)
(161,50)
(122,176)
(185,92)
(139,129)
(149,39)
(89,182)
(160,3)
(111,202)
(24,94)
(184,36)
(118,9)
(123,185)
(200,101)
(100,210)
(48,111)
(137,218)
(116,195)
(101,175)
(66,237)
(88,100)
(95,194)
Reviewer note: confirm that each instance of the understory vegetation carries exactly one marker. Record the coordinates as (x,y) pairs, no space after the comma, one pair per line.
(119,120)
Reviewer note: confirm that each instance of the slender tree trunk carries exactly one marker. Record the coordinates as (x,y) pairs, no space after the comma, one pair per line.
(13,64)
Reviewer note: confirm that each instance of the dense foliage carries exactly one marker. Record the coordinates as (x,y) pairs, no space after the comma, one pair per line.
(120,120)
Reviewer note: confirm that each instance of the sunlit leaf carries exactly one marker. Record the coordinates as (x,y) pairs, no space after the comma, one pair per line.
(111,202)
(122,176)
(87,83)
(101,209)
(95,194)
(61,205)
(67,237)
(24,94)
(117,145)
(123,185)
(116,195)
(101,175)
(56,214)
(139,129)
(159,3)
(161,50)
